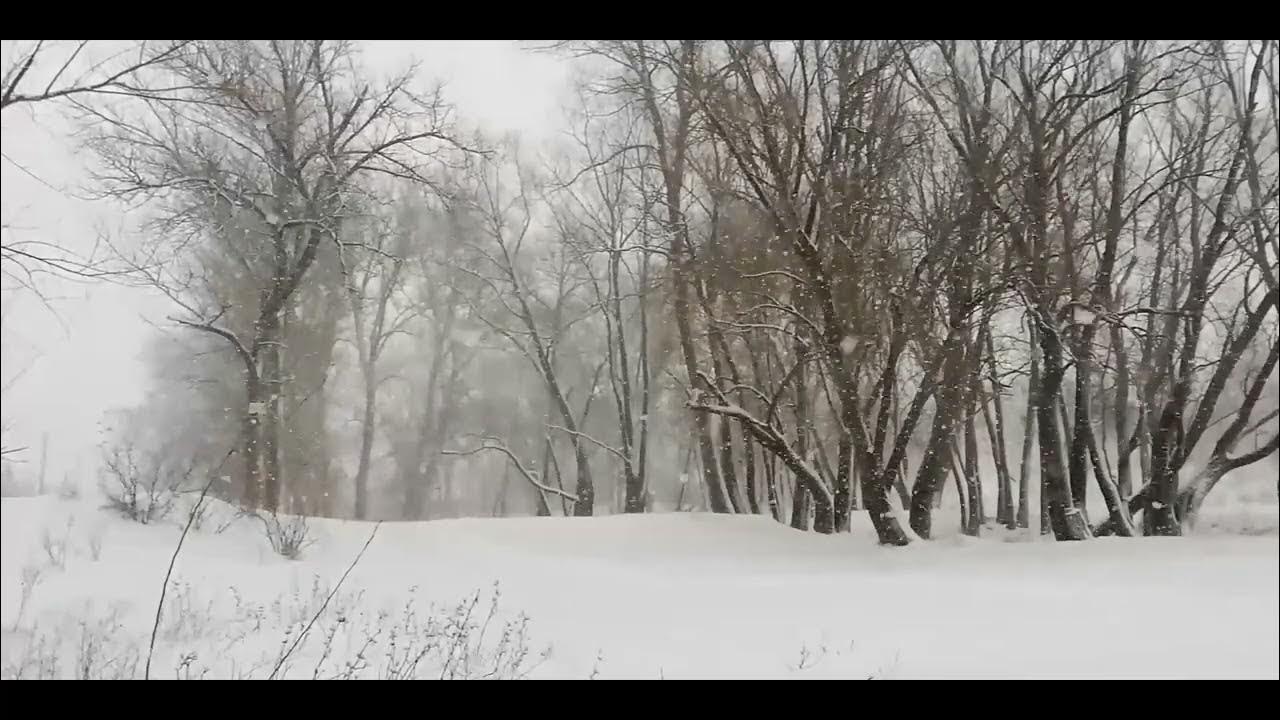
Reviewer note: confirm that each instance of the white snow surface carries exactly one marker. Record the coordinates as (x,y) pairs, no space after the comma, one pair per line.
(655,596)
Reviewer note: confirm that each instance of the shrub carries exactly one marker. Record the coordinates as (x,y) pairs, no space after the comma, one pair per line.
(289,535)
(142,487)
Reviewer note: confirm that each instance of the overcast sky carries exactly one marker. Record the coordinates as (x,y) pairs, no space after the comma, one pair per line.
(83,356)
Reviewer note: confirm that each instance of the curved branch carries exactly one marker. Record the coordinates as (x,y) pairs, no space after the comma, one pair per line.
(529,475)
(245,356)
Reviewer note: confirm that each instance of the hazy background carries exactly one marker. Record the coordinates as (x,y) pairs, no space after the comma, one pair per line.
(79,352)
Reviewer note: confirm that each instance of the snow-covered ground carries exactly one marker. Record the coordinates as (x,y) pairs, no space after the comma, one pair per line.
(674,596)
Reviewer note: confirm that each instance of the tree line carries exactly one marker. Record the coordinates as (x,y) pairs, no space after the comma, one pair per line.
(802,279)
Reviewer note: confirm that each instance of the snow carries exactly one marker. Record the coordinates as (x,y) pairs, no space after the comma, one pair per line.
(675,596)
(1082,315)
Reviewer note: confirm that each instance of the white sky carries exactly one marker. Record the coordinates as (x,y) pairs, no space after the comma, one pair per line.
(84,357)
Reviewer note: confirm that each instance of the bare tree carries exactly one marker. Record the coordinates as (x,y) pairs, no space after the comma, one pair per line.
(507,212)
(41,73)
(266,138)
(602,216)
(372,284)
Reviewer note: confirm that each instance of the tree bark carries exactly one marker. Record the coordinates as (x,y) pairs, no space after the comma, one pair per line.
(1024,469)
(1064,518)
(1005,514)
(800,507)
(271,377)
(933,468)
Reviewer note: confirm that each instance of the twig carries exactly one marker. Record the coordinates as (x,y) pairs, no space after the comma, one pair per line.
(323,605)
(195,510)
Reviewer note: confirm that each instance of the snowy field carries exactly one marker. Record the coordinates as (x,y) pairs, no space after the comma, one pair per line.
(658,596)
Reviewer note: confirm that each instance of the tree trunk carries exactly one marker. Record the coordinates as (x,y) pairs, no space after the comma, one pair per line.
(800,506)
(366,449)
(1159,517)
(765,466)
(250,491)
(801,502)
(1024,470)
(749,478)
(966,504)
(1029,441)
(620,379)
(876,501)
(1005,513)
(44,460)
(1124,473)
(1116,508)
(966,488)
(1082,425)
(728,469)
(972,475)
(933,468)
(271,381)
(844,489)
(719,352)
(1064,517)
(1192,497)
(1045,523)
(771,487)
(541,508)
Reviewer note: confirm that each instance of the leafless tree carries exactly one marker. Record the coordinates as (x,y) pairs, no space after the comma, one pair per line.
(41,73)
(265,139)
(507,209)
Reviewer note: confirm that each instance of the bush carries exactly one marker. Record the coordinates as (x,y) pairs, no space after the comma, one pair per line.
(184,617)
(203,637)
(289,535)
(465,641)
(31,577)
(99,656)
(55,546)
(81,646)
(94,543)
(142,489)
(30,656)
